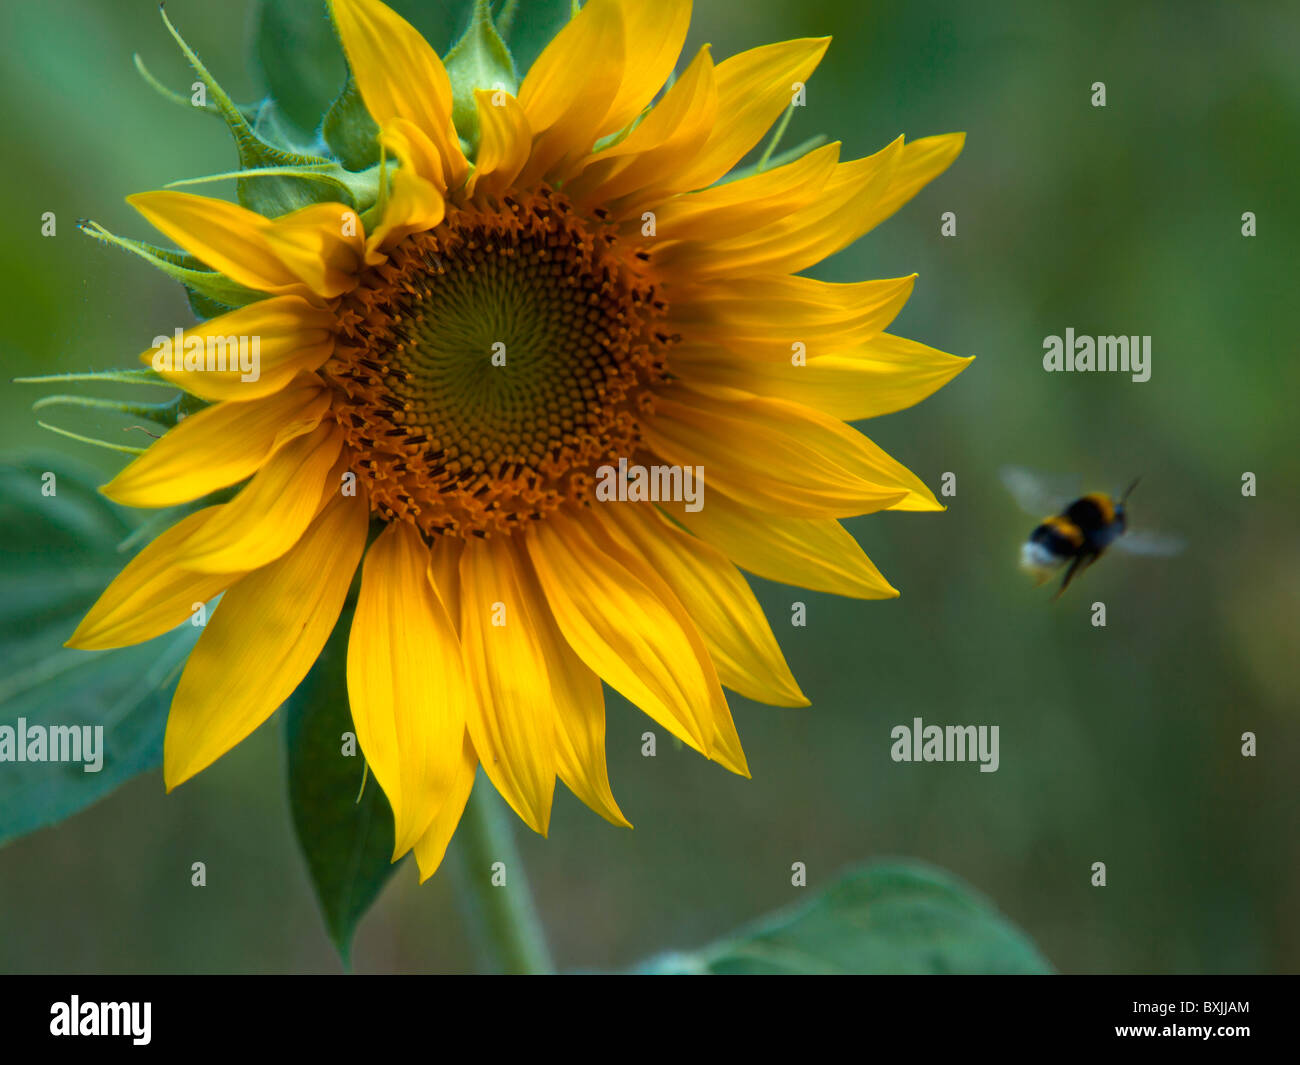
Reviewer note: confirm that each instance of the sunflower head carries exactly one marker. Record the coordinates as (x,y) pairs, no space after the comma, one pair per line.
(493,363)
(483,298)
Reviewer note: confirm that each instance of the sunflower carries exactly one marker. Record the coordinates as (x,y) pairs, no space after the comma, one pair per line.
(440,390)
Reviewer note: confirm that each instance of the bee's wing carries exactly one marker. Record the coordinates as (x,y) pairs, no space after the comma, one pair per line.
(1145,542)
(1041,494)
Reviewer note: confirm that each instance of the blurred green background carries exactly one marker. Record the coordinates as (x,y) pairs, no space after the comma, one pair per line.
(1119,744)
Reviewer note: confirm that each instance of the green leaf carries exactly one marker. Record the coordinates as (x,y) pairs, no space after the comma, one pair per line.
(890,917)
(348,843)
(437,21)
(298,55)
(480,60)
(61,551)
(528,26)
(272,126)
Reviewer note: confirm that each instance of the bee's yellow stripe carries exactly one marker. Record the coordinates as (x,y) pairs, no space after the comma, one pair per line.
(1067,529)
(1104,505)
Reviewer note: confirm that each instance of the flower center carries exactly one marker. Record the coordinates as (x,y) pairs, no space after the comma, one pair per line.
(487,369)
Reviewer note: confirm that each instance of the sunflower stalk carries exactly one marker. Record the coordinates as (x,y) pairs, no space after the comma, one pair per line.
(504,916)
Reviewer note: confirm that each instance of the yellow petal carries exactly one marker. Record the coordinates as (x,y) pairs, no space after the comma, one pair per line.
(579,713)
(599,73)
(406,684)
(288,334)
(432,846)
(920,163)
(858,196)
(724,743)
(831,221)
(645,163)
(653,34)
(764,317)
(738,207)
(505,140)
(316,251)
(612,612)
(444,574)
(271,512)
(261,640)
(818,554)
(399,75)
(415,203)
(565,92)
(511,719)
(417,154)
(152,595)
(754,88)
(780,457)
(719,601)
(196,457)
(322,244)
(885,374)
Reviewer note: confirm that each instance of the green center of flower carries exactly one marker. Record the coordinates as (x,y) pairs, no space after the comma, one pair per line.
(494,361)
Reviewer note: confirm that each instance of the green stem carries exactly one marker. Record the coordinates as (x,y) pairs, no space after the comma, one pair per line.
(506,918)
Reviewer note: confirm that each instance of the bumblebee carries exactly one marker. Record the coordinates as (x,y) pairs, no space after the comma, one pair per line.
(1080,531)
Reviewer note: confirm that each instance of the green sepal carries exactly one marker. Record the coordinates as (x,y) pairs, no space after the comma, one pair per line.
(204,307)
(166,412)
(349,131)
(132,376)
(272,197)
(480,60)
(178,98)
(93,441)
(373,216)
(357,189)
(208,289)
(620,135)
(779,159)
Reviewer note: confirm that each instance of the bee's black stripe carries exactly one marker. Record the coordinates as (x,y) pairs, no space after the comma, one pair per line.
(1091,513)
(1058,535)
